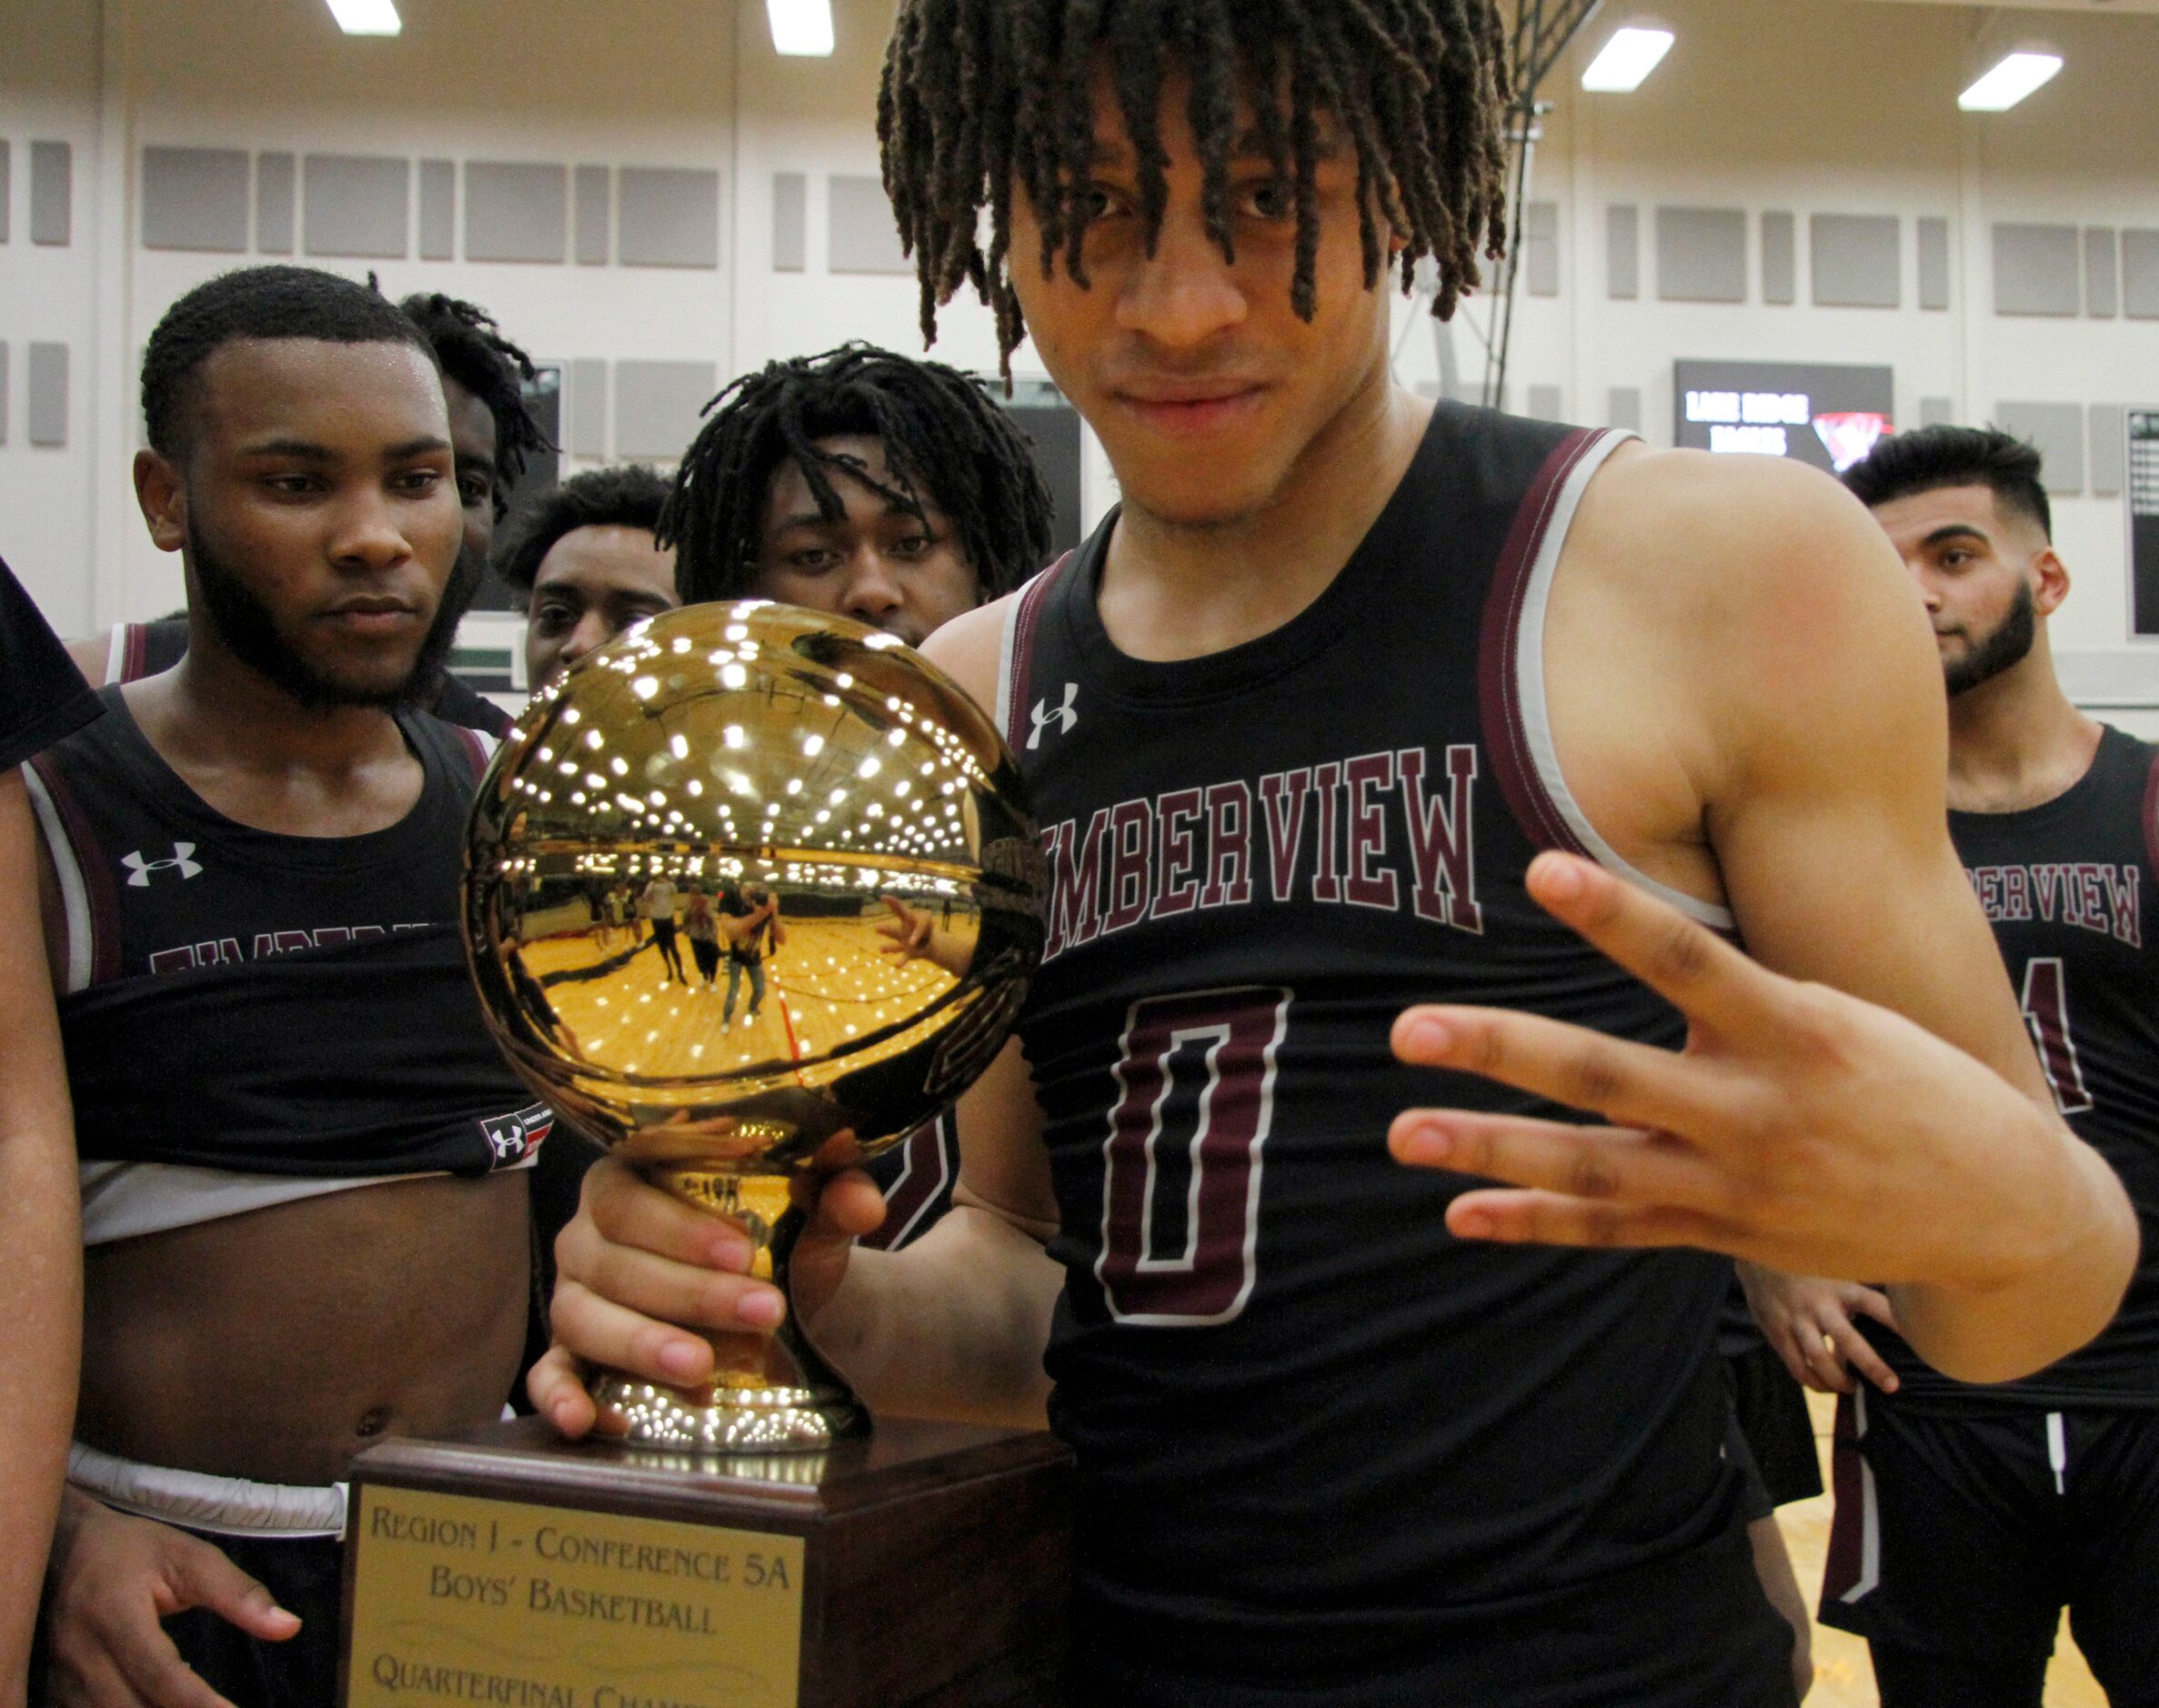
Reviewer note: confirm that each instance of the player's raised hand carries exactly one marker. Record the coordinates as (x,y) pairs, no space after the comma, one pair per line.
(907,933)
(639,1273)
(1800,1127)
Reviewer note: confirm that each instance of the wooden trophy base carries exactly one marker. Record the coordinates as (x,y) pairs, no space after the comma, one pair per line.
(926,1565)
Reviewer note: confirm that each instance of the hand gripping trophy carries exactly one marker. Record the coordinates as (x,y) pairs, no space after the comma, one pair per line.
(751,781)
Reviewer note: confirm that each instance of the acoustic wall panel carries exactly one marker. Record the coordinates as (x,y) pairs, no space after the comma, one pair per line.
(1934,265)
(1937,412)
(2102,273)
(356,204)
(1624,408)
(1547,403)
(516,212)
(657,406)
(671,216)
(52,193)
(1780,259)
(2110,449)
(5,176)
(46,405)
(2057,429)
(584,408)
(3,391)
(1702,255)
(438,210)
(1858,261)
(2140,274)
(195,199)
(1622,253)
(790,222)
(592,191)
(862,235)
(1541,248)
(275,182)
(2037,270)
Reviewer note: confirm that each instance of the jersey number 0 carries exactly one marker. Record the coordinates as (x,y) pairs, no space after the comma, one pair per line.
(1180,1182)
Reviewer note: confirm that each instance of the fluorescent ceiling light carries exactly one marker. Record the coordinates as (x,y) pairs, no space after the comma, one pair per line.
(2010,82)
(1627,60)
(801,27)
(368,17)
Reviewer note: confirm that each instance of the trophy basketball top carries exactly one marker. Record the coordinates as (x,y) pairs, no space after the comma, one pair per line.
(694,866)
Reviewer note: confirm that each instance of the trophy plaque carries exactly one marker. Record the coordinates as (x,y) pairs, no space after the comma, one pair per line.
(750,894)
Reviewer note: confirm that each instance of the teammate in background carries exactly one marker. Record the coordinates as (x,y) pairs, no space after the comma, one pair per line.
(495,435)
(1968,1518)
(250,882)
(43,698)
(585,558)
(751,921)
(892,490)
(1298,720)
(657,904)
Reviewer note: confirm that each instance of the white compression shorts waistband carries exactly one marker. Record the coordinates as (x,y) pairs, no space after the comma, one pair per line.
(223,1506)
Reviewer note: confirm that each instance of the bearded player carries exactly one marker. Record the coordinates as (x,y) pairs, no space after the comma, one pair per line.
(304,1221)
(1359,701)
(1968,1518)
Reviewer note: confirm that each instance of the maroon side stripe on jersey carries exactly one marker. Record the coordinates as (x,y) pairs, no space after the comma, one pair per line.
(1846,1562)
(475,751)
(1032,599)
(1498,685)
(2151,818)
(135,661)
(97,868)
(919,1182)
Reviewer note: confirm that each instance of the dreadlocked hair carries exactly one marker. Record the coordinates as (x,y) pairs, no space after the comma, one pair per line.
(981,98)
(948,444)
(472,350)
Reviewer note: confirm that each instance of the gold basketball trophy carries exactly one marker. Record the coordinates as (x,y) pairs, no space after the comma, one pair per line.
(687,874)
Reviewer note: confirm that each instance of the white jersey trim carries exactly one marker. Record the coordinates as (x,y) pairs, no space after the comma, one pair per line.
(115,656)
(74,895)
(1536,719)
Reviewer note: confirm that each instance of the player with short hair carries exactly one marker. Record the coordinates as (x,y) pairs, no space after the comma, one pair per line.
(879,487)
(1968,1518)
(495,433)
(1359,702)
(304,1221)
(585,559)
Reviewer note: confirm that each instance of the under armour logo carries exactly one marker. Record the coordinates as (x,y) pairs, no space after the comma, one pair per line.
(182,861)
(1065,717)
(513,1136)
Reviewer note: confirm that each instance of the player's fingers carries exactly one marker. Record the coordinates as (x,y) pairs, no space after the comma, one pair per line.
(1820,1350)
(849,1204)
(1508,1217)
(620,1207)
(1684,962)
(556,1386)
(1601,1164)
(1629,1084)
(1872,1303)
(1784,1343)
(205,1576)
(600,1332)
(676,1292)
(1859,1353)
(93,1682)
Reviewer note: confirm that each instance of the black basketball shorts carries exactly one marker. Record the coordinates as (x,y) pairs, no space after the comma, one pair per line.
(1959,1539)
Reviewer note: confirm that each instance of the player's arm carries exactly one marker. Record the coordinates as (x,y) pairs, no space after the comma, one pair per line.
(1802,1130)
(93,656)
(953,1325)
(40,1252)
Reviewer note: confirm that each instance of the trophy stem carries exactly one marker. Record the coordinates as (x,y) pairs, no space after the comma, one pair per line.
(768,1394)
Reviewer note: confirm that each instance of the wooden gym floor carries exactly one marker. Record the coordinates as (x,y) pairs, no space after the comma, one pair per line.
(1842,1677)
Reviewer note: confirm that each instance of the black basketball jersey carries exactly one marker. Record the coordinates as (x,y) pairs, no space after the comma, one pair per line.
(2063,884)
(1315,1432)
(234,998)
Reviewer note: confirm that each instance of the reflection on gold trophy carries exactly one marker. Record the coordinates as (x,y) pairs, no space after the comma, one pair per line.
(681,884)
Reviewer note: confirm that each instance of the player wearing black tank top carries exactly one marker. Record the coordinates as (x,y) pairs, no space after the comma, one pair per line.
(305,1226)
(1320,724)
(1968,1518)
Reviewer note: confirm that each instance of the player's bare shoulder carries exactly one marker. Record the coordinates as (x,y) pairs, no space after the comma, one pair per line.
(970,647)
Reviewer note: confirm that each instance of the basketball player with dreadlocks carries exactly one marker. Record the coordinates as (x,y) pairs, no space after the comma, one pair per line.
(1356,703)
(493,429)
(1969,1517)
(304,1220)
(887,489)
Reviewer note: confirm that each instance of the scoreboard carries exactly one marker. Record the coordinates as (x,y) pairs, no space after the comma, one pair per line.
(1828,417)
(2143,521)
